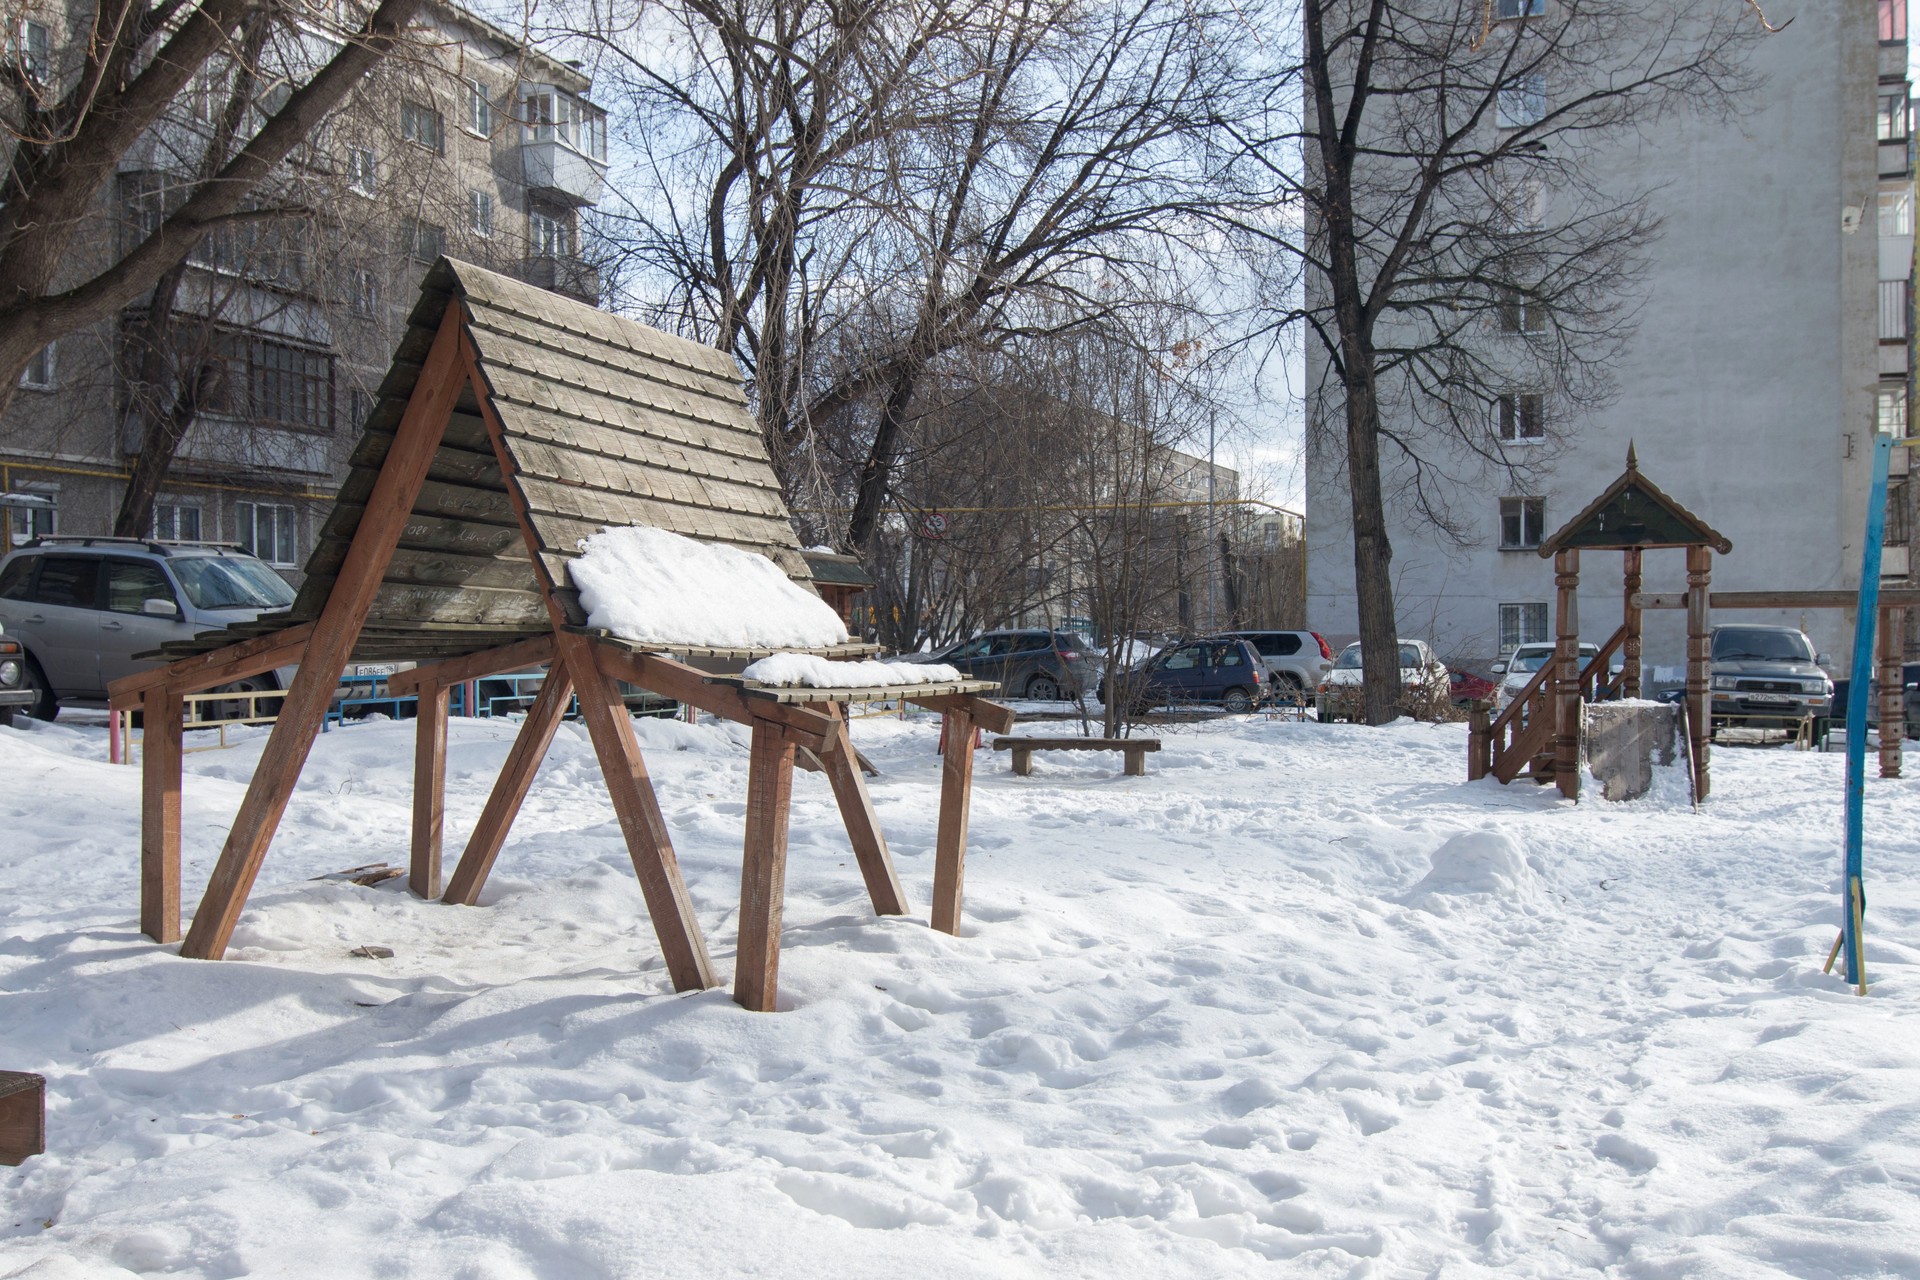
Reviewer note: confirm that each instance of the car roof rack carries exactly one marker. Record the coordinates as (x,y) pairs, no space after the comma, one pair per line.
(158,546)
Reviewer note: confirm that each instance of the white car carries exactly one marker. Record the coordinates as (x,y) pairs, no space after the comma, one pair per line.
(1423,682)
(1518,668)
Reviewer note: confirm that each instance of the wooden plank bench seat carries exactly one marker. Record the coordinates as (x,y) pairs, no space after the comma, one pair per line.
(1135,750)
(23,1116)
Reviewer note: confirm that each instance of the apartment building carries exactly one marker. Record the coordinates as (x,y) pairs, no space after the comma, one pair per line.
(1773,338)
(471,143)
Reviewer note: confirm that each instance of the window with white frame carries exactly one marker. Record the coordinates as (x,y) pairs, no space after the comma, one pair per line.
(266,530)
(1521,103)
(39,371)
(548,115)
(479,109)
(421,125)
(1521,416)
(363,170)
(1891,122)
(1504,9)
(425,241)
(33,51)
(1522,523)
(1524,623)
(1896,213)
(366,292)
(1519,204)
(480,213)
(549,237)
(1519,313)
(176,521)
(1890,409)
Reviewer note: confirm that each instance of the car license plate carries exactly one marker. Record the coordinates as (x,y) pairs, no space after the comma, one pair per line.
(374,669)
(1768,697)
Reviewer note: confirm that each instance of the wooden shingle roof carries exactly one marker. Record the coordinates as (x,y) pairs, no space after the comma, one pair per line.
(1633,511)
(605,422)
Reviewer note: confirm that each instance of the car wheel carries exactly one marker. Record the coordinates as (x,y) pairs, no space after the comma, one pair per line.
(1238,702)
(1286,681)
(1043,688)
(44,706)
(239,708)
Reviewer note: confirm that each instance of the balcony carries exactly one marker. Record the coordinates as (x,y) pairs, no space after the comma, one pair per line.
(223,445)
(555,171)
(1893,158)
(567,275)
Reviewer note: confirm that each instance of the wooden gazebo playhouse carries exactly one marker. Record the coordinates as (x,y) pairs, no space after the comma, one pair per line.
(1538,732)
(513,424)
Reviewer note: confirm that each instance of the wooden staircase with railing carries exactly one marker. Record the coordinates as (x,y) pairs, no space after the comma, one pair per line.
(1520,740)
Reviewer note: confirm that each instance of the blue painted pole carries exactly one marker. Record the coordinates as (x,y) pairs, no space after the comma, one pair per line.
(1865,619)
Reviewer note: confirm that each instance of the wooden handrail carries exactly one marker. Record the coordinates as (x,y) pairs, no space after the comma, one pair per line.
(1590,674)
(1525,726)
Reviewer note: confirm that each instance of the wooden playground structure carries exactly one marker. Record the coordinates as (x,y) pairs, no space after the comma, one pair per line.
(513,424)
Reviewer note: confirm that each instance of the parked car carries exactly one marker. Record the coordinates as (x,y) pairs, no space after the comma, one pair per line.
(83,607)
(1295,660)
(1423,683)
(1910,683)
(1044,665)
(1466,688)
(1767,678)
(1222,669)
(14,693)
(1517,669)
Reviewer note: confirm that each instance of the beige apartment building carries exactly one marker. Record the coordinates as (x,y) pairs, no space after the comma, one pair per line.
(471,144)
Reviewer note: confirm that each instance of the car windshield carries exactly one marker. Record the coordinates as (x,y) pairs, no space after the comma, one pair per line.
(1530,661)
(1349,659)
(231,582)
(1736,644)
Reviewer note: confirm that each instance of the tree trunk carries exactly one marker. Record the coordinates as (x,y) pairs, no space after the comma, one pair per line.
(1372,552)
(877,472)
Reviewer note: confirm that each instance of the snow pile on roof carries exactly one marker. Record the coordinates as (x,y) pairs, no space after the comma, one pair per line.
(655,587)
(807,671)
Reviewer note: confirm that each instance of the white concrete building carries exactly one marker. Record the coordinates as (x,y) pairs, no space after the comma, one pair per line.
(1772,340)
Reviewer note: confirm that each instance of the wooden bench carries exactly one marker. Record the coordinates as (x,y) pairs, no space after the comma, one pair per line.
(23,1116)
(1135,750)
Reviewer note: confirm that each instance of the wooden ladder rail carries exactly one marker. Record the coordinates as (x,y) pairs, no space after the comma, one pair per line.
(1520,731)
(1591,688)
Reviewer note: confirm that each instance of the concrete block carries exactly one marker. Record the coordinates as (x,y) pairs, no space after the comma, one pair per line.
(1622,741)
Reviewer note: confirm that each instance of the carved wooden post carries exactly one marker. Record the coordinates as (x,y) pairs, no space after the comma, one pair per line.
(1630,618)
(1479,741)
(1893,692)
(1699,662)
(1566,673)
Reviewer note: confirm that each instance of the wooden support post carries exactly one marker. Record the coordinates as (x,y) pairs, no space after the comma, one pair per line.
(429,790)
(956,797)
(1699,664)
(842,765)
(23,1116)
(160,816)
(1566,672)
(648,844)
(1893,693)
(510,788)
(1630,620)
(763,873)
(304,708)
(1479,741)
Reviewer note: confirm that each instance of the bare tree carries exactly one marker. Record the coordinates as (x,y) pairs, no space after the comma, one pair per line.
(1469,269)
(72,117)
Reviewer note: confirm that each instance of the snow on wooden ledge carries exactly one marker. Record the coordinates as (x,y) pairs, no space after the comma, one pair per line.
(653,587)
(790,670)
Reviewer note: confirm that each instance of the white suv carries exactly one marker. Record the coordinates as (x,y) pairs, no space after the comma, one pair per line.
(1295,661)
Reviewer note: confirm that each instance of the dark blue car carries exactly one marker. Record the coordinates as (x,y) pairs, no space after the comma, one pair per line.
(1226,671)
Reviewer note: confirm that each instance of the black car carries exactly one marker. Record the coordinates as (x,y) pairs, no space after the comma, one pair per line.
(1038,664)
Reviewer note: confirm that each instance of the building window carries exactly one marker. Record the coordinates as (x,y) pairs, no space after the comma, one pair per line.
(366,292)
(1522,416)
(479,109)
(33,51)
(1519,8)
(1891,122)
(39,371)
(549,237)
(1896,213)
(1519,205)
(363,170)
(480,213)
(1890,409)
(38,521)
(1893,21)
(1522,523)
(290,386)
(1521,314)
(359,408)
(425,241)
(1522,624)
(1899,530)
(1522,103)
(421,125)
(176,521)
(265,530)
(547,116)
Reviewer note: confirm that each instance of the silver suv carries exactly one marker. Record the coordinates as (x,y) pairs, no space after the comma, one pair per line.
(83,607)
(1296,661)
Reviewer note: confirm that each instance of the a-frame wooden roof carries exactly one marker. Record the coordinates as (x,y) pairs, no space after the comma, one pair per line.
(1633,511)
(606,422)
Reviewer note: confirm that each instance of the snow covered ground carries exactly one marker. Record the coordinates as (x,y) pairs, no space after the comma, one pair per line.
(1299,1002)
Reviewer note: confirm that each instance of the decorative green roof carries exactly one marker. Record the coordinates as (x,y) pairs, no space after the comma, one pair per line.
(1634,512)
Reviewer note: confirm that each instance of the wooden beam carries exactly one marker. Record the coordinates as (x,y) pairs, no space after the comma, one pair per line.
(429,791)
(763,873)
(160,815)
(1566,673)
(23,1116)
(1893,693)
(510,788)
(533,652)
(682,683)
(1630,575)
(611,728)
(1700,664)
(991,716)
(1890,598)
(842,766)
(217,666)
(950,843)
(303,710)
